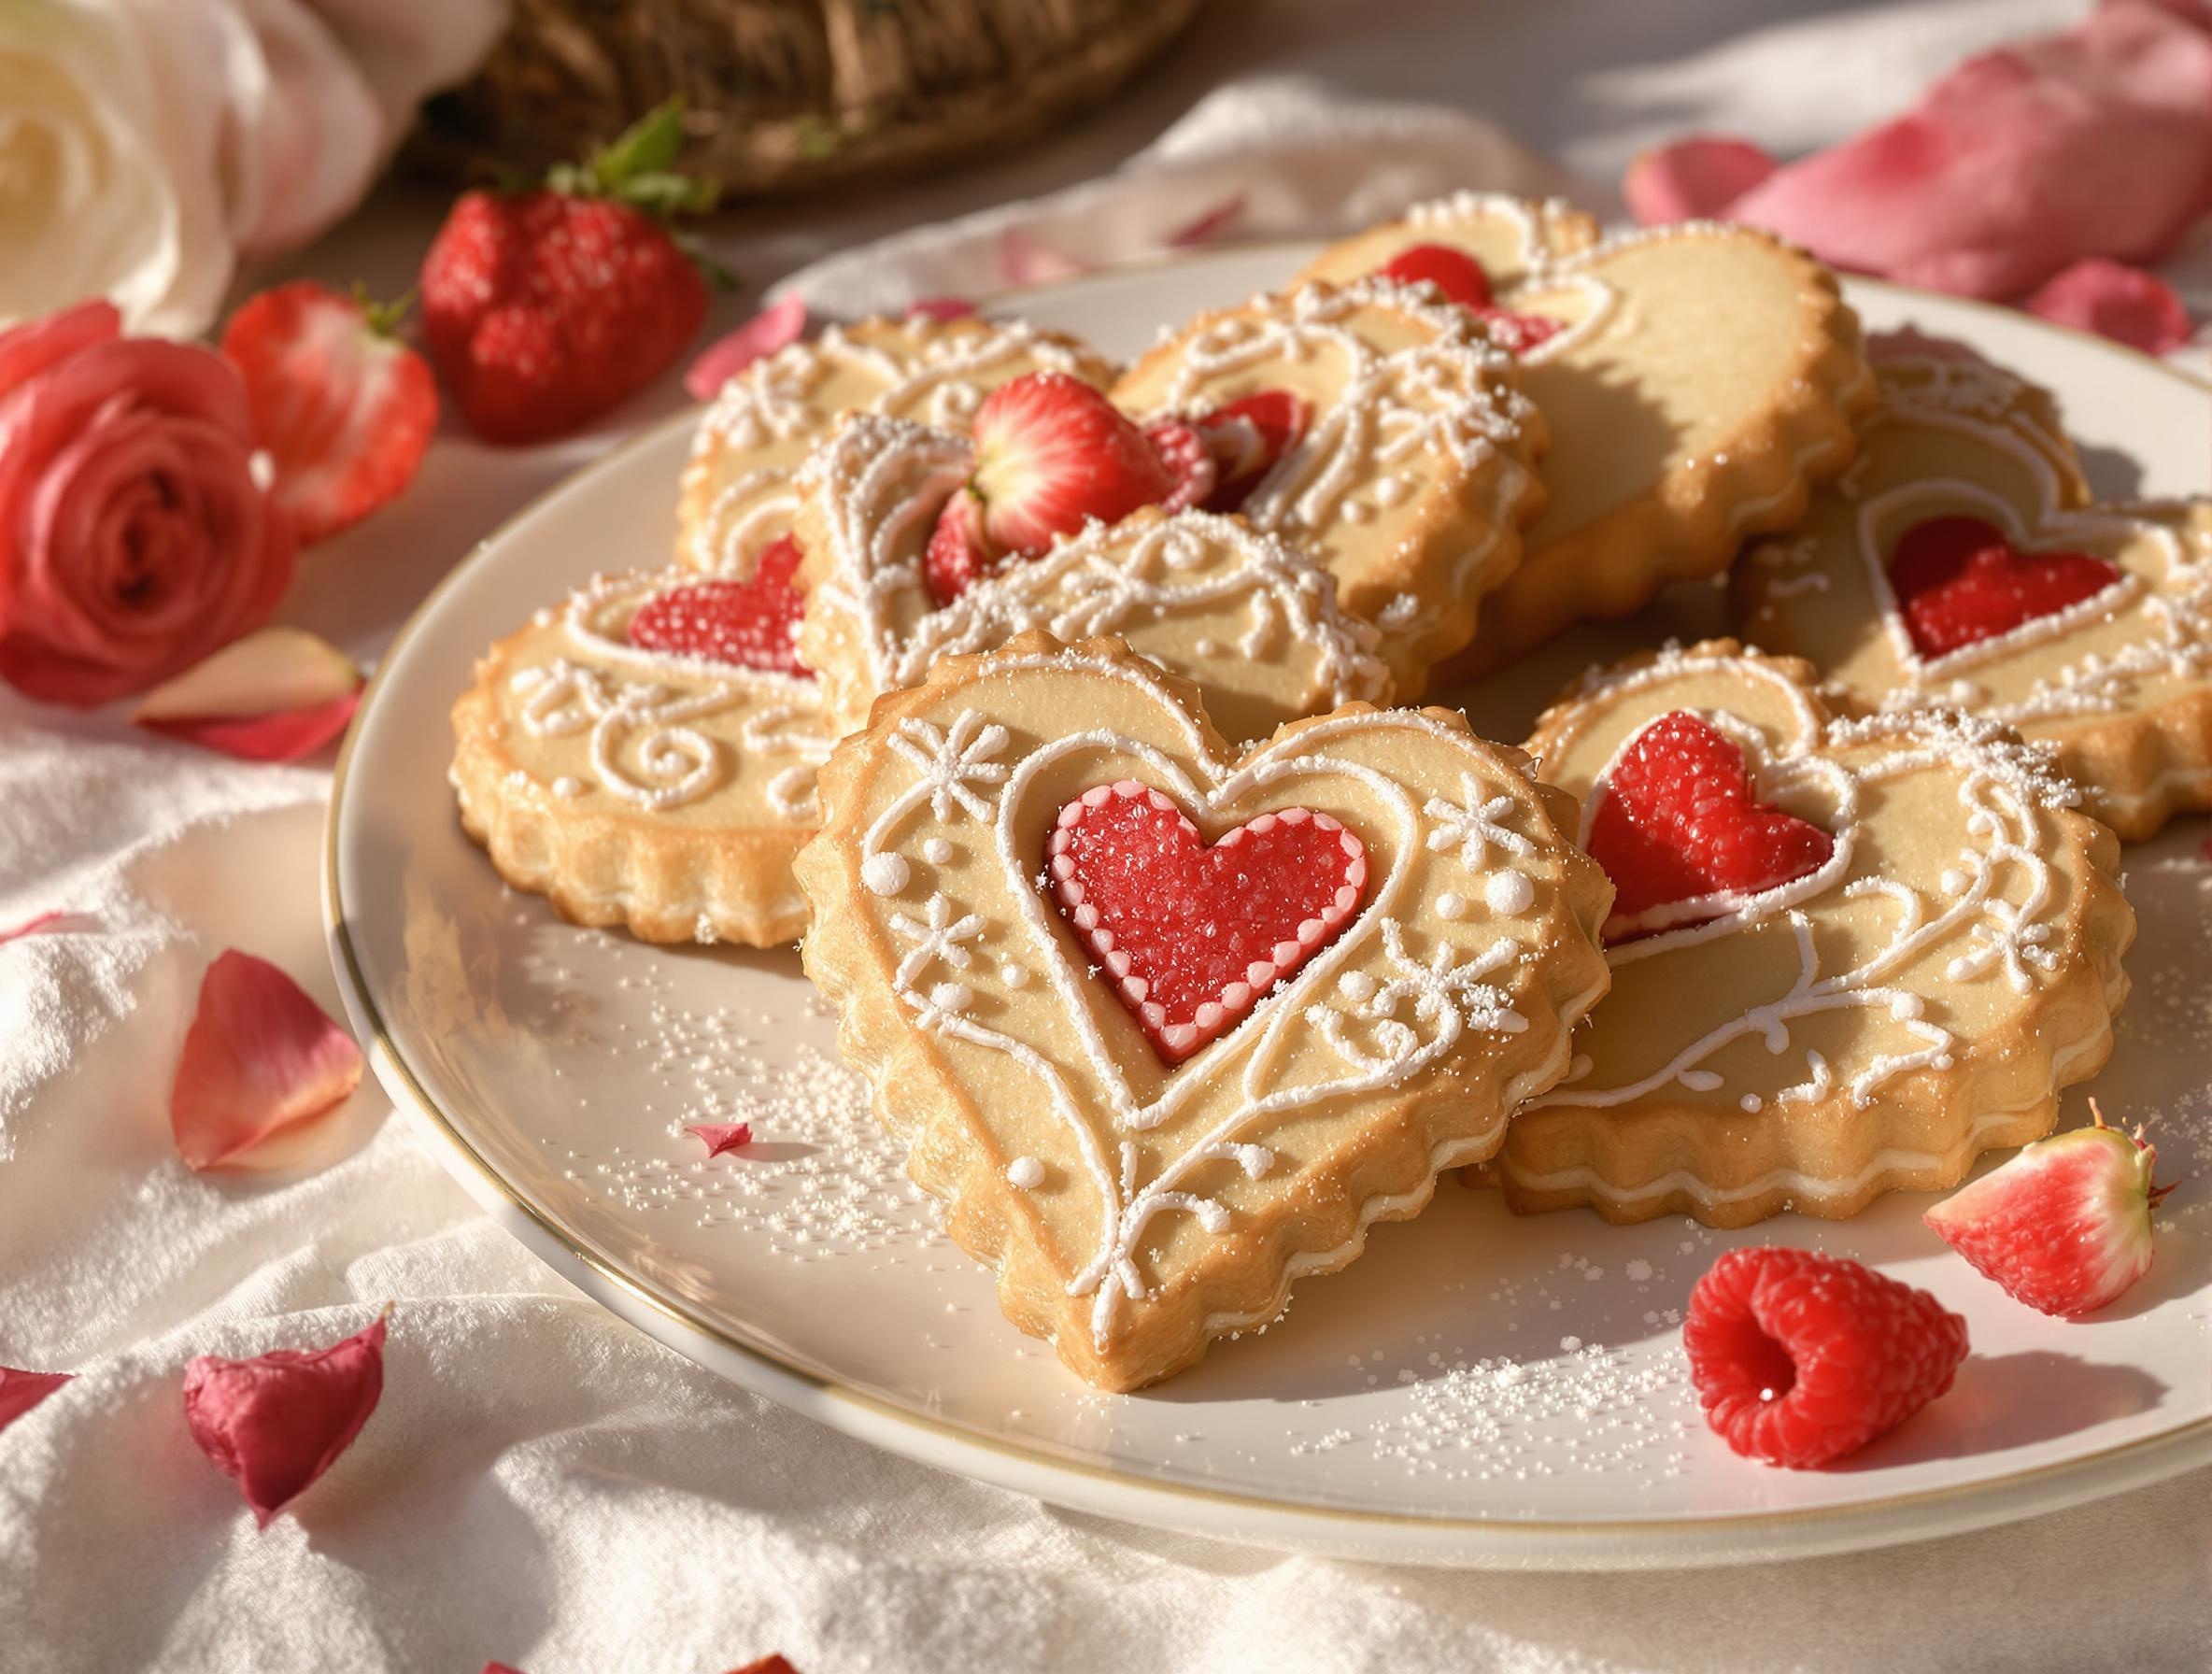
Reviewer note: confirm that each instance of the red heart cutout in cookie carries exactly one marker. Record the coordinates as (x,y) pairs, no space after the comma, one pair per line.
(1461,278)
(749,623)
(1194,936)
(1959,580)
(1677,821)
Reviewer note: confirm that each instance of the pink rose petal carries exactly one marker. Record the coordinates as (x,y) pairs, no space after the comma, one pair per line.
(940,308)
(1695,177)
(1208,224)
(30,348)
(2114,301)
(500,1668)
(291,736)
(275,1422)
(36,922)
(1025,261)
(260,1056)
(19,1391)
(778,324)
(721,1136)
(2093,142)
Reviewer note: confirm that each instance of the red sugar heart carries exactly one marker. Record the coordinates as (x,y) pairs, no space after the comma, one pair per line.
(1461,278)
(749,623)
(1195,936)
(1959,581)
(1677,821)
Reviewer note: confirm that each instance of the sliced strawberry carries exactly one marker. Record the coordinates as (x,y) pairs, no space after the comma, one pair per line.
(1051,454)
(959,554)
(1678,822)
(749,623)
(1453,272)
(1246,437)
(1517,334)
(344,407)
(2064,1226)
(1182,449)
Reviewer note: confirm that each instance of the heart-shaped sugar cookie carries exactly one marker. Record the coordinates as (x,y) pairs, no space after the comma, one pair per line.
(1254,622)
(1017,860)
(1914,943)
(1413,477)
(1703,377)
(738,497)
(645,756)
(1961,563)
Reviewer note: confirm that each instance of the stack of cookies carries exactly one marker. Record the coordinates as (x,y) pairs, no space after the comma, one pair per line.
(1067,716)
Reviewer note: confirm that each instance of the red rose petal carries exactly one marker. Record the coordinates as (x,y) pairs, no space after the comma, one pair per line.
(1208,224)
(275,1422)
(500,1668)
(260,1056)
(776,325)
(19,1391)
(940,308)
(1693,179)
(767,1665)
(719,1137)
(37,921)
(30,348)
(1025,261)
(291,736)
(2114,301)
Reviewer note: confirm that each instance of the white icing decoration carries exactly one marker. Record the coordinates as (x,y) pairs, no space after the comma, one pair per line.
(1024,1173)
(568,787)
(1012,975)
(884,875)
(937,851)
(1509,893)
(1450,905)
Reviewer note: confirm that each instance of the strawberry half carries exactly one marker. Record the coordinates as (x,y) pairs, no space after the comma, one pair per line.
(2064,1226)
(544,308)
(1247,437)
(344,407)
(959,554)
(1052,454)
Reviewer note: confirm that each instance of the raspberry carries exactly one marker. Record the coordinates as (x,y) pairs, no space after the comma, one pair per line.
(1677,821)
(1193,936)
(749,623)
(1800,1358)
(1960,581)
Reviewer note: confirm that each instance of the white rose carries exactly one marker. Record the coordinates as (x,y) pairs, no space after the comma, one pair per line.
(146,145)
(106,187)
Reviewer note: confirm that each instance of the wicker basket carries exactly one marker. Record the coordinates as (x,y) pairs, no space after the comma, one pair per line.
(785,94)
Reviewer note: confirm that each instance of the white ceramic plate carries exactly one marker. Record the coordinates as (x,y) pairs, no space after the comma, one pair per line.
(1477,1389)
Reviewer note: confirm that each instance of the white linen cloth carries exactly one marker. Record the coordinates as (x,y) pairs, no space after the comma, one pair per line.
(543,1485)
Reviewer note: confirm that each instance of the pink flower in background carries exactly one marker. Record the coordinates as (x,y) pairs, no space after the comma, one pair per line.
(135,538)
(2096,142)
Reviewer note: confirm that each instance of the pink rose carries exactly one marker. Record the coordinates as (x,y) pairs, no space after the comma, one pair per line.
(134,537)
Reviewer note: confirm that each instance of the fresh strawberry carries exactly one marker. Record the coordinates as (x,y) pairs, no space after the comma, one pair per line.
(2066,1226)
(1800,1358)
(959,554)
(344,407)
(545,307)
(1246,437)
(1453,272)
(750,623)
(1051,454)
(1184,451)
(1678,822)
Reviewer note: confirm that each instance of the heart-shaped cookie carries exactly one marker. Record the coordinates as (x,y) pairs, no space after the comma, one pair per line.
(1703,378)
(1413,477)
(1254,622)
(1141,1191)
(1961,563)
(645,756)
(1931,951)
(738,498)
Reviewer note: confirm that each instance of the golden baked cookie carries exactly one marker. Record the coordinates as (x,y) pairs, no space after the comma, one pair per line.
(1254,622)
(1168,1026)
(645,757)
(1961,563)
(1408,470)
(737,497)
(1849,955)
(1696,380)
